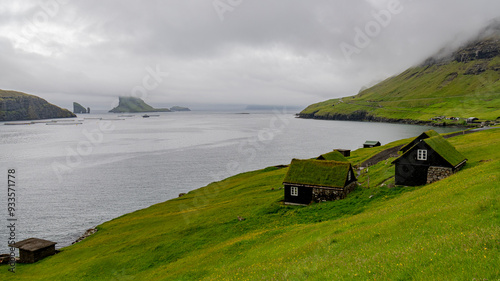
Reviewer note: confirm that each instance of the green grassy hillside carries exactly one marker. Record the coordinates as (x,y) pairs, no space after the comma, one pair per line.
(449,230)
(20,106)
(455,88)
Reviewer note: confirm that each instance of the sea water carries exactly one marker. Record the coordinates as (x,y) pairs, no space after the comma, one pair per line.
(70,178)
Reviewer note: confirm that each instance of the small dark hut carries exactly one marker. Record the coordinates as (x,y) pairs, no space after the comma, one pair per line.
(369,144)
(427,161)
(318,180)
(333,156)
(424,135)
(34,249)
(345,152)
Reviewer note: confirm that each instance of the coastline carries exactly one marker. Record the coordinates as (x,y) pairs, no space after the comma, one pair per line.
(364,117)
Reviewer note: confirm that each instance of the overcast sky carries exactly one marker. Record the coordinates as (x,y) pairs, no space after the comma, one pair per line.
(190,52)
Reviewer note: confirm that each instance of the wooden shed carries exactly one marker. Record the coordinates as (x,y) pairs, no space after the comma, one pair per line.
(34,249)
(345,152)
(369,144)
(427,161)
(318,180)
(333,156)
(424,135)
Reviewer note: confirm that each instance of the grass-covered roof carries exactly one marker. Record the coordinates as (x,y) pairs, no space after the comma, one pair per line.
(334,156)
(318,172)
(446,150)
(442,147)
(424,135)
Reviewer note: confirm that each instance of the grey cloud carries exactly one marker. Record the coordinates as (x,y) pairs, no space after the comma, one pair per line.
(262,52)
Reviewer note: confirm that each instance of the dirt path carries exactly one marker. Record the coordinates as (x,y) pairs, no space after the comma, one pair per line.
(381,156)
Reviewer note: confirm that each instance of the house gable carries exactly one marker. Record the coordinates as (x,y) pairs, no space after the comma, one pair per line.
(446,151)
(418,165)
(424,135)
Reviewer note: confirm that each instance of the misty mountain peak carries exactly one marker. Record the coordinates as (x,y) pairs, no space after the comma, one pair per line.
(486,45)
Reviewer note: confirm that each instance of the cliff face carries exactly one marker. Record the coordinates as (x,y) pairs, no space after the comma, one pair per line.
(132,104)
(78,108)
(20,106)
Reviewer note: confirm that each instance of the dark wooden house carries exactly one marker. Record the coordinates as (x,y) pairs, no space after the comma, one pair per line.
(310,181)
(34,249)
(345,152)
(424,135)
(427,161)
(333,156)
(369,144)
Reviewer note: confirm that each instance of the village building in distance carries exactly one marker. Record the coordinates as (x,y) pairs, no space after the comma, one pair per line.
(370,144)
(428,158)
(310,181)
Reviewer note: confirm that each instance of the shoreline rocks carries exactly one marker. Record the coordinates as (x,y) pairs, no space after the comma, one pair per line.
(85,235)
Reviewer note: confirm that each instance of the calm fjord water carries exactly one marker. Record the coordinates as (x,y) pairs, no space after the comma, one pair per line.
(71,178)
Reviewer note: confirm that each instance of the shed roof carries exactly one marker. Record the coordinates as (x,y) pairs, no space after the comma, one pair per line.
(372,142)
(334,155)
(33,244)
(319,173)
(424,135)
(446,150)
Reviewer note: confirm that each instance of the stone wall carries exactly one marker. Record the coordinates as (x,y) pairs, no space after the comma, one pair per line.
(438,173)
(326,194)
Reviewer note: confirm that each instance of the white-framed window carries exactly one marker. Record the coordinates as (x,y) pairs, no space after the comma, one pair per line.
(349,175)
(422,154)
(294,191)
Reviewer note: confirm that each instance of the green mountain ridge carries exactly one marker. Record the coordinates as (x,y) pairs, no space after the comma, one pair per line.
(15,106)
(462,84)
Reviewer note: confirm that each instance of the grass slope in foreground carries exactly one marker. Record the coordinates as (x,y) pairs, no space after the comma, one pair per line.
(449,230)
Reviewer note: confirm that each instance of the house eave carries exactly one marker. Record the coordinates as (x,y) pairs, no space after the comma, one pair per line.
(461,164)
(315,186)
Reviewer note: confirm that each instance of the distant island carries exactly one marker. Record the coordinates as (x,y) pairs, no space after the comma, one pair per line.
(15,106)
(179,108)
(132,104)
(78,108)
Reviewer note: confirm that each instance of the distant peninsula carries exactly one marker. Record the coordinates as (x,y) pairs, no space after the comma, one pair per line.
(132,104)
(15,106)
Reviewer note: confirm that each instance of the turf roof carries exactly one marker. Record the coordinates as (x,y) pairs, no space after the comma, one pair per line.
(442,147)
(334,155)
(446,150)
(318,172)
(424,135)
